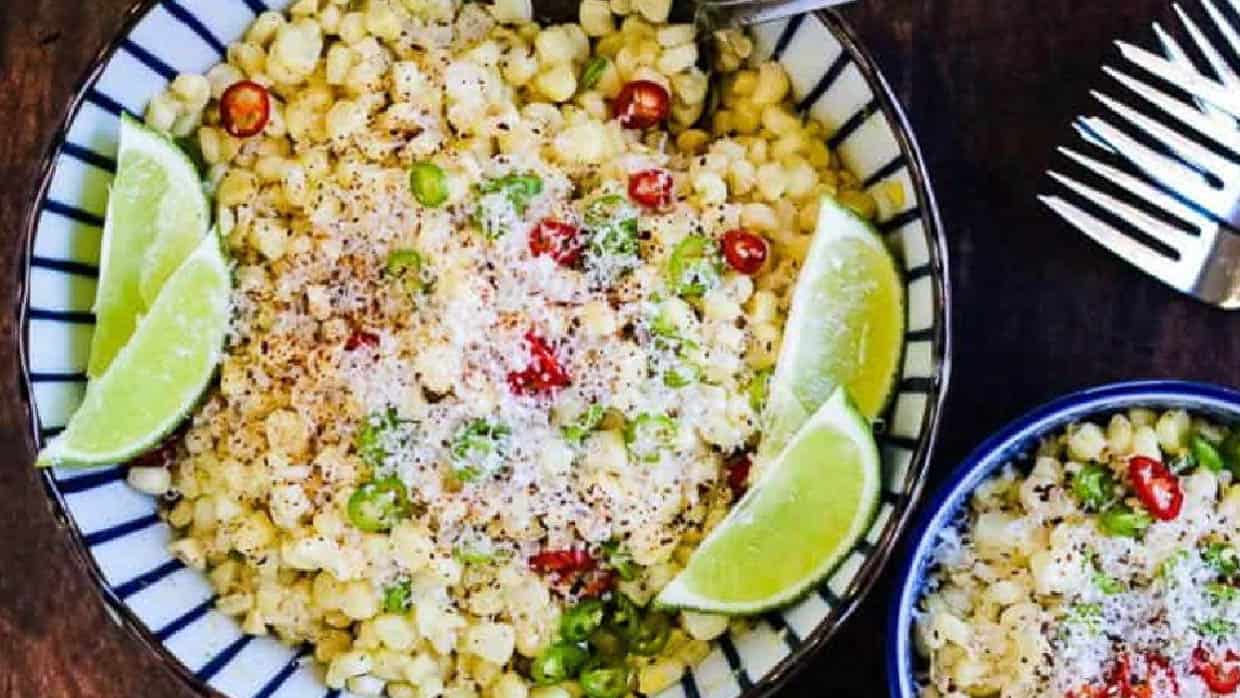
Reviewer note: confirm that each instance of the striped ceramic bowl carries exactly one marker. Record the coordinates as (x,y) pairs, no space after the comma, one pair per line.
(169,607)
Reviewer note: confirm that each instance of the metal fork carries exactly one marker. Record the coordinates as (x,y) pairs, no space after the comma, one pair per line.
(1183,196)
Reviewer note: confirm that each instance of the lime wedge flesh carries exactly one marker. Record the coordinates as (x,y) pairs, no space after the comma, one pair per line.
(157,214)
(845,327)
(788,533)
(159,375)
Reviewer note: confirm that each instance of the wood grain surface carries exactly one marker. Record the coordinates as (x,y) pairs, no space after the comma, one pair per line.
(990,87)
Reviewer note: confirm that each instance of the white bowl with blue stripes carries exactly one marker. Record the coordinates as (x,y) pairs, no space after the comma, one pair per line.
(169,607)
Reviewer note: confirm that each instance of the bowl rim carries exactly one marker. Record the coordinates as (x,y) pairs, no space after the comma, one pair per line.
(939,512)
(881,552)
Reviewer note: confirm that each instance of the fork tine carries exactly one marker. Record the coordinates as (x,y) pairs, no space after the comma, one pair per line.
(1168,235)
(1201,123)
(1128,249)
(1184,147)
(1213,57)
(1188,80)
(1141,189)
(1223,26)
(1177,55)
(1163,169)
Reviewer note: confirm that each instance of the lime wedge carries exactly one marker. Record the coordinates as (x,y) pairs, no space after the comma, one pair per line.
(159,375)
(794,526)
(845,327)
(157,214)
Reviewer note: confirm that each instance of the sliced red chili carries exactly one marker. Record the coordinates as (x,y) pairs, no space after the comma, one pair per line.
(744,251)
(641,104)
(361,338)
(544,374)
(1222,676)
(562,561)
(737,470)
(561,241)
(245,109)
(651,188)
(599,584)
(1157,487)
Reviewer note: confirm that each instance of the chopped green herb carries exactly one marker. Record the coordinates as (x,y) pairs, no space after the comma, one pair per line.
(519,189)
(757,389)
(620,560)
(398,597)
(576,432)
(1094,486)
(1222,593)
(1107,584)
(475,557)
(369,440)
(611,227)
(1123,521)
(476,447)
(694,267)
(1216,627)
(593,72)
(1088,615)
(1167,567)
(1222,558)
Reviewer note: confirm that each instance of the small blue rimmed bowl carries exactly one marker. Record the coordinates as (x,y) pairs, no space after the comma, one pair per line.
(1013,441)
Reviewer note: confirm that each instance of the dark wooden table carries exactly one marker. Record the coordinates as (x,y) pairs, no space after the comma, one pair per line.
(990,87)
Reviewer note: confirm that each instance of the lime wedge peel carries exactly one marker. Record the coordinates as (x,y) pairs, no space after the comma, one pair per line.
(812,504)
(160,374)
(157,214)
(845,327)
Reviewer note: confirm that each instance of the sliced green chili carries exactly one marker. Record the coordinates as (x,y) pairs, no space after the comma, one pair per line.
(648,434)
(378,505)
(370,438)
(1230,452)
(620,560)
(1206,455)
(652,634)
(559,662)
(609,643)
(1222,558)
(581,620)
(1123,521)
(605,682)
(429,184)
(519,189)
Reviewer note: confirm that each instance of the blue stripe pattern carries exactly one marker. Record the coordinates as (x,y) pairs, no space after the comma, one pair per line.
(281,677)
(149,60)
(144,580)
(106,103)
(187,18)
(49,432)
(828,596)
(256,6)
(884,172)
(899,220)
(48,377)
(222,659)
(785,37)
(734,661)
(689,686)
(77,317)
(89,481)
(88,156)
(66,266)
(785,631)
(925,335)
(849,127)
(335,693)
(184,620)
(120,530)
(824,83)
(73,213)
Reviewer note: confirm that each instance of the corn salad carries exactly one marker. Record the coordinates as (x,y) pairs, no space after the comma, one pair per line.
(1106,567)
(503,315)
